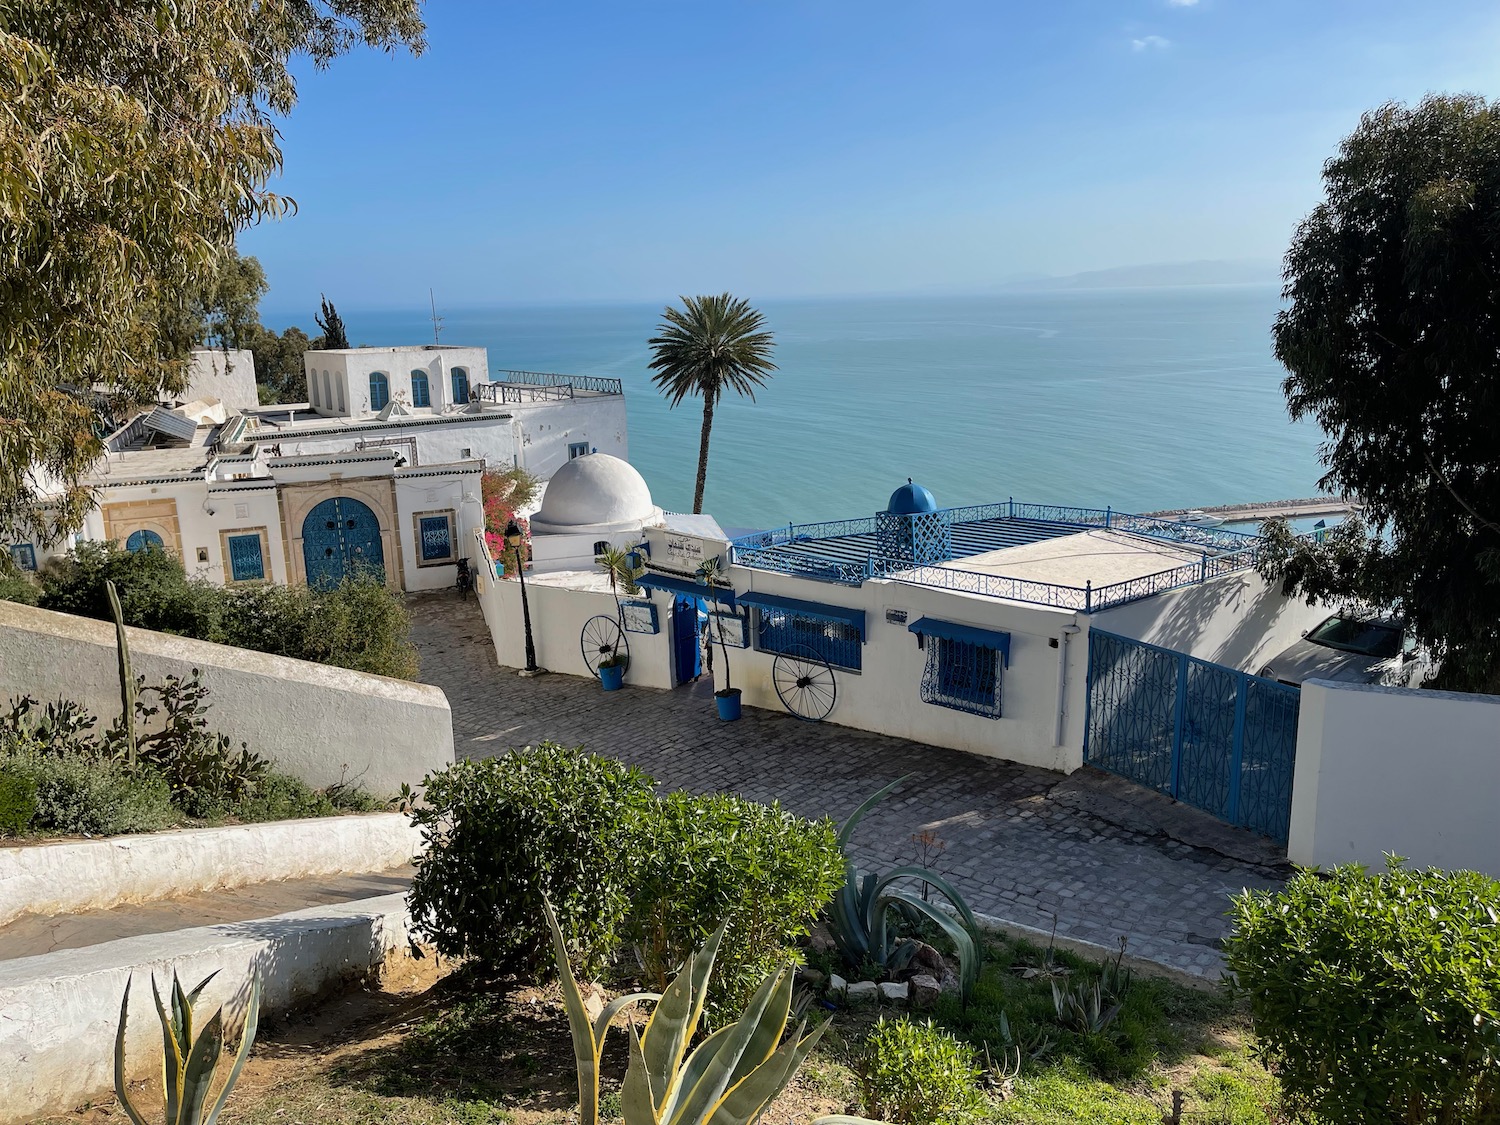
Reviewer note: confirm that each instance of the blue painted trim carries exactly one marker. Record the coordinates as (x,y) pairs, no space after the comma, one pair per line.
(969,634)
(687,588)
(855,617)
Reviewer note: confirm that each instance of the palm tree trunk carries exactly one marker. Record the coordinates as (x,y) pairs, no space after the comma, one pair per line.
(708,423)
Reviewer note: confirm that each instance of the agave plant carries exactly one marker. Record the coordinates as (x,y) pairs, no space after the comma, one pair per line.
(859,917)
(728,1079)
(188,1062)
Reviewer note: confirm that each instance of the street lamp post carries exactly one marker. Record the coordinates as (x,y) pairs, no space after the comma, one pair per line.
(514,539)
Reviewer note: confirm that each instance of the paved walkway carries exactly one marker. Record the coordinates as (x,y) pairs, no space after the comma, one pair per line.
(1023,844)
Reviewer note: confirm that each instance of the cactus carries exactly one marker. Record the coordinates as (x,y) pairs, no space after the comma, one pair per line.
(127,677)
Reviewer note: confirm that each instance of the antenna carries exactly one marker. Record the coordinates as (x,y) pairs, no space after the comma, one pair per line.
(437,321)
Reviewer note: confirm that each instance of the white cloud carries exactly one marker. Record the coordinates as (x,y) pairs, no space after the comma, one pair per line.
(1150,43)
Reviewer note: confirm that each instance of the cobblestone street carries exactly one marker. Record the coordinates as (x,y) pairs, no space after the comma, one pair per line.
(1023,844)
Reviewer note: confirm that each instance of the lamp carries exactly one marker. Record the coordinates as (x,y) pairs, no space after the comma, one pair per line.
(515,538)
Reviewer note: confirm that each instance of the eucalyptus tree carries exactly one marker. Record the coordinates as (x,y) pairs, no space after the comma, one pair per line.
(136,138)
(1391,340)
(709,346)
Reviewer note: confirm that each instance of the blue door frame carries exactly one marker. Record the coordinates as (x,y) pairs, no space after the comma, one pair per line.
(341,539)
(687,654)
(1211,736)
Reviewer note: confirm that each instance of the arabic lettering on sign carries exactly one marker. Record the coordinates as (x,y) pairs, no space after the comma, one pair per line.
(685,548)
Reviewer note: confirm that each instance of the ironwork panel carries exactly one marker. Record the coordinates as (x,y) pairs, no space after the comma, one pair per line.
(1132,710)
(144,540)
(246,561)
(1268,756)
(1205,755)
(24,555)
(437,538)
(962,676)
(837,642)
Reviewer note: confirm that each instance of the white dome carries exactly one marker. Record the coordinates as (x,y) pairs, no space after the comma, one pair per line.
(592,491)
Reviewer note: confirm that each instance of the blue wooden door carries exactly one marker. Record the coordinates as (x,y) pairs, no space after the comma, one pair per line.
(144,540)
(341,539)
(687,658)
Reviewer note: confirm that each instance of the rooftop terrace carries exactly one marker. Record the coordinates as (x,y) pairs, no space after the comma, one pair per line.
(1096,557)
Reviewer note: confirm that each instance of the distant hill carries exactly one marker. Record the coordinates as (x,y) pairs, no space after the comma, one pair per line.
(1160,273)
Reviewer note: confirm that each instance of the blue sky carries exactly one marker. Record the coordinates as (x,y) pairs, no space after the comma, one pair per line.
(637,149)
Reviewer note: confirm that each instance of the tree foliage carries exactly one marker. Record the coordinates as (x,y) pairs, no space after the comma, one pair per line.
(334,335)
(136,139)
(709,346)
(1392,343)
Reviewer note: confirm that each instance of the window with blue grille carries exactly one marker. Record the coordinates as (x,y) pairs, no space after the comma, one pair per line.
(380,390)
(144,540)
(577,449)
(460,380)
(435,539)
(247,560)
(838,642)
(419,392)
(963,675)
(24,555)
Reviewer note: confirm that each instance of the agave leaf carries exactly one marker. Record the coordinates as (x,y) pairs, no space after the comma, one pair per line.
(963,941)
(847,829)
(637,1099)
(700,1087)
(198,1075)
(192,997)
(943,887)
(585,1044)
(675,1018)
(171,1061)
(614,1008)
(750,1096)
(692,1071)
(122,1091)
(247,1039)
(849,930)
(768,1034)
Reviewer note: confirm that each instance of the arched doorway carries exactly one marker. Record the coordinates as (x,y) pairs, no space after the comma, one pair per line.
(144,540)
(341,539)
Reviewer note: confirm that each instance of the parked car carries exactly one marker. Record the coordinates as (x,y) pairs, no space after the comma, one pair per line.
(1371,650)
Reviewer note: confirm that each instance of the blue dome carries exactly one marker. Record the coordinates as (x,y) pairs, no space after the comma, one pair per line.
(911,500)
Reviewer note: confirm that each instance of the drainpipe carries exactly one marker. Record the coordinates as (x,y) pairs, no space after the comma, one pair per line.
(1062,682)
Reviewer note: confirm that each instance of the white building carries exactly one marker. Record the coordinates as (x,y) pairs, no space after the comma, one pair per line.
(364,477)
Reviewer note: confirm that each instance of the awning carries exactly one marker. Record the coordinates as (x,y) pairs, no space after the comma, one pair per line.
(687,588)
(819,610)
(969,634)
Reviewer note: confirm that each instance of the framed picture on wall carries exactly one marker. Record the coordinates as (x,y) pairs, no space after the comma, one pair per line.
(736,627)
(640,616)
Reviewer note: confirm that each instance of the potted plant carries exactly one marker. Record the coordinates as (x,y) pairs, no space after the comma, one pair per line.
(623,568)
(612,671)
(727,698)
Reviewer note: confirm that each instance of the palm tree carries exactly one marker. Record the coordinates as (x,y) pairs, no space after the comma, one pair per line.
(710,345)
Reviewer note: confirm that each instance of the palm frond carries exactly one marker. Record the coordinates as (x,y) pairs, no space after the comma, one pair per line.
(711,345)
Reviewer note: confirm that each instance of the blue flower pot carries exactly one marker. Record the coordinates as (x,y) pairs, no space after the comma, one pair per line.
(612,676)
(728,704)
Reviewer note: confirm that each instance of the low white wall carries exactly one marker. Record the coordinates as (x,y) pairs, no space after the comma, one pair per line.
(1383,769)
(558,615)
(73,876)
(323,724)
(61,1009)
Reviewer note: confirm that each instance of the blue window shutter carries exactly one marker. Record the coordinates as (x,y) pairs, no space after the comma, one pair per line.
(437,538)
(419,393)
(380,390)
(247,563)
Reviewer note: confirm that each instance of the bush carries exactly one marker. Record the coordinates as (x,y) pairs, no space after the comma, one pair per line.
(79,797)
(1375,997)
(17,585)
(502,832)
(155,591)
(17,801)
(722,858)
(917,1074)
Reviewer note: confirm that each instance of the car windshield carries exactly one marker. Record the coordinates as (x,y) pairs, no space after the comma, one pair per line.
(1368,638)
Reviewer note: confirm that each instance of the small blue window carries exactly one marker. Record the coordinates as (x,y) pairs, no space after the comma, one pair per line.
(24,555)
(460,379)
(380,390)
(838,642)
(436,533)
(144,540)
(247,561)
(577,449)
(963,676)
(419,394)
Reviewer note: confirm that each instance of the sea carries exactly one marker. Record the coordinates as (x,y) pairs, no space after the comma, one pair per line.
(1138,399)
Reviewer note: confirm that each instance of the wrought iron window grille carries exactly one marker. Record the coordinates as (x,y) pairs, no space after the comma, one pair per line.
(962,676)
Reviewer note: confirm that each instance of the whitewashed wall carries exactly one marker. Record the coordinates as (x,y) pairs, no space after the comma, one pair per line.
(350,371)
(1235,619)
(557,618)
(885,695)
(417,493)
(545,430)
(323,724)
(1383,769)
(228,376)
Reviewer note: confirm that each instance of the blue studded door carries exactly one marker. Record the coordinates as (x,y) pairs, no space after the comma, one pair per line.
(341,539)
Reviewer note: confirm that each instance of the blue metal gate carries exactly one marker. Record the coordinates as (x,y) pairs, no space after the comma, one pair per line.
(1211,736)
(341,539)
(687,656)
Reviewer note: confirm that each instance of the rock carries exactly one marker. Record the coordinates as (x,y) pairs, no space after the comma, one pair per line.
(950,982)
(837,985)
(893,993)
(814,977)
(593,1000)
(925,990)
(863,992)
(928,957)
(822,940)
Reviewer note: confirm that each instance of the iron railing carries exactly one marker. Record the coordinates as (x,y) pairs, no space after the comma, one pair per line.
(595,384)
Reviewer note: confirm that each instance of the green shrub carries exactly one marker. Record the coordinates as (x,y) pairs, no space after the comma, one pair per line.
(155,591)
(502,832)
(917,1074)
(721,858)
(79,797)
(17,801)
(17,585)
(280,796)
(1376,997)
